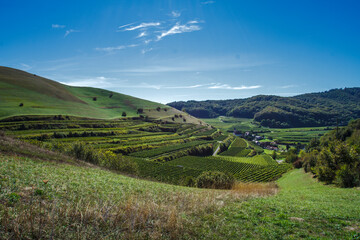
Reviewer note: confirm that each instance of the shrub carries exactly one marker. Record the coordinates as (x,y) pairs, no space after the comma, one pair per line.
(291,157)
(347,177)
(123,114)
(21,104)
(158,109)
(187,181)
(215,180)
(94,98)
(298,163)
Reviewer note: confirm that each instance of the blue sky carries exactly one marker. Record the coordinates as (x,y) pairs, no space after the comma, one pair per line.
(182,50)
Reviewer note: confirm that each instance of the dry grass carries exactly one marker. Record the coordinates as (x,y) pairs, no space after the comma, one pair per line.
(255,189)
(139,216)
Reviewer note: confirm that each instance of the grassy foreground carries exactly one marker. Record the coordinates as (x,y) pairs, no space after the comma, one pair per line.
(48,199)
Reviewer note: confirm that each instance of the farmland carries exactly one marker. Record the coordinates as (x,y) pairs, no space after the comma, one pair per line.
(162,151)
(280,135)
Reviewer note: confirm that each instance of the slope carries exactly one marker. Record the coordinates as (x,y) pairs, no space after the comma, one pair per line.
(22,93)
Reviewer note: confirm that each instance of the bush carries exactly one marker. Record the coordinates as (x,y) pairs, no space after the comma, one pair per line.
(21,104)
(187,181)
(94,98)
(123,114)
(215,180)
(298,163)
(291,157)
(118,163)
(347,177)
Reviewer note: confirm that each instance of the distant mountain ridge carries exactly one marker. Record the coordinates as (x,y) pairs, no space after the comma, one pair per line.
(336,106)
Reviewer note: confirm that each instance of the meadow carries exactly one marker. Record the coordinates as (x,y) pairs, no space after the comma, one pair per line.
(50,195)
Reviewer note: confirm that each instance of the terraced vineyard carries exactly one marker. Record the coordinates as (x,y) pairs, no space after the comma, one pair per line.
(256,169)
(166,152)
(239,148)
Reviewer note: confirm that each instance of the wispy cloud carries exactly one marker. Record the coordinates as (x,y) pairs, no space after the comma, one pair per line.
(111,49)
(142,34)
(69,32)
(288,86)
(159,86)
(207,64)
(25,67)
(175,14)
(102,81)
(57,26)
(145,50)
(141,26)
(178,28)
(207,2)
(228,87)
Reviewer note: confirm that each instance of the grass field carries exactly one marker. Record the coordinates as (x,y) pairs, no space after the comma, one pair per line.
(47,199)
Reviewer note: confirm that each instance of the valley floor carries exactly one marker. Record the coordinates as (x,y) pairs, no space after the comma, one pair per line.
(47,199)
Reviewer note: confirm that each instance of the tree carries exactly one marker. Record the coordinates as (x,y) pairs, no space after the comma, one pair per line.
(21,104)
(94,98)
(140,110)
(123,114)
(158,109)
(274,155)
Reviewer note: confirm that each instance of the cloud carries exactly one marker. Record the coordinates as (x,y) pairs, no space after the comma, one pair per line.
(120,27)
(208,64)
(142,25)
(177,29)
(121,47)
(142,34)
(145,50)
(102,81)
(228,87)
(288,86)
(25,67)
(207,2)
(57,26)
(159,86)
(175,14)
(70,31)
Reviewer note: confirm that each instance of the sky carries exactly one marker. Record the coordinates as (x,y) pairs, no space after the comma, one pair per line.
(168,51)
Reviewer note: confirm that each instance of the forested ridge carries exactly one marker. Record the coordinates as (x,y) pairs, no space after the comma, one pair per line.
(336,106)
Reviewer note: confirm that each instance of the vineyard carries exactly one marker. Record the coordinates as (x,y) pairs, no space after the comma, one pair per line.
(163,151)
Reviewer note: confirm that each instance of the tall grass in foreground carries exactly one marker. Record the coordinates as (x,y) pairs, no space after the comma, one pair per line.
(88,203)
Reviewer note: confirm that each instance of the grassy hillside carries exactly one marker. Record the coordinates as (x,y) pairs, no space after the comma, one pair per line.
(41,96)
(49,195)
(307,110)
(44,198)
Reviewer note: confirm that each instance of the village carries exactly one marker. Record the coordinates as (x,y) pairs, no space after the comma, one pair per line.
(269,145)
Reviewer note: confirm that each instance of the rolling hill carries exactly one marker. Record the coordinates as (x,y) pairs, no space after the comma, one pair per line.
(22,93)
(306,110)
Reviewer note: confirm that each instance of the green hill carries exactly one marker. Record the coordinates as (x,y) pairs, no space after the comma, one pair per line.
(307,110)
(22,93)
